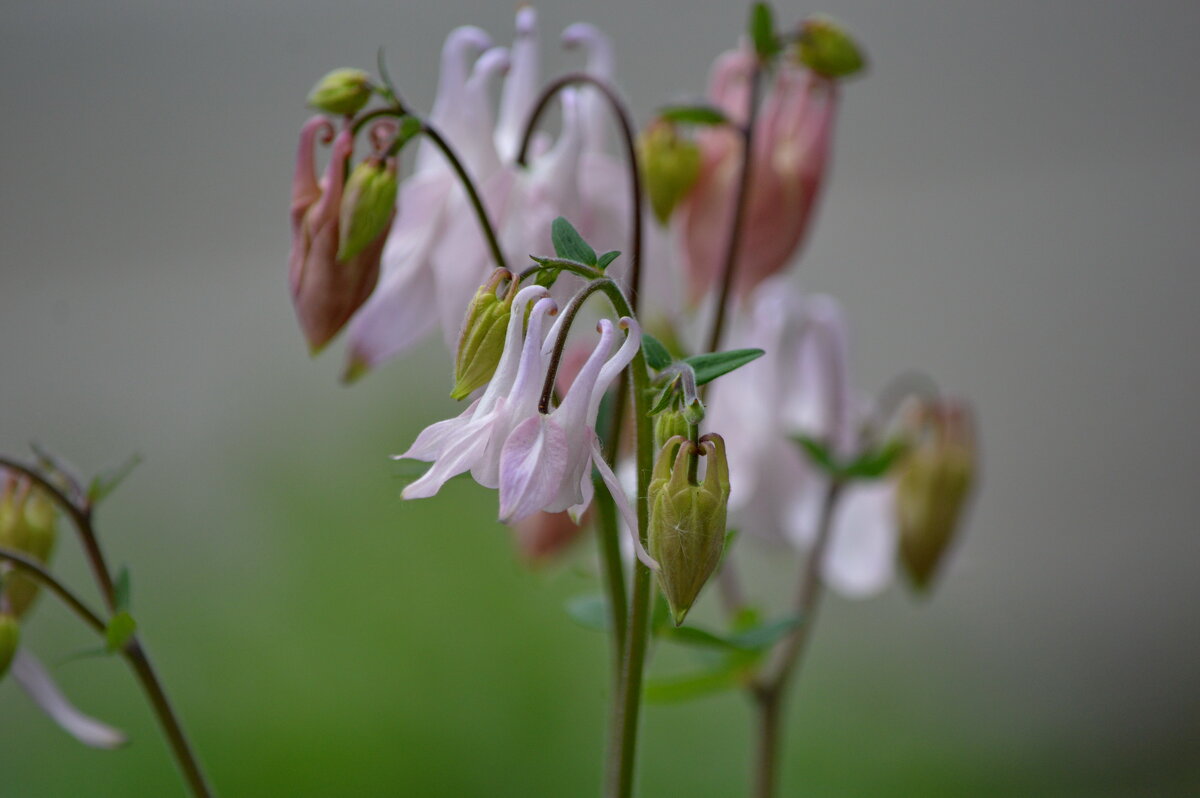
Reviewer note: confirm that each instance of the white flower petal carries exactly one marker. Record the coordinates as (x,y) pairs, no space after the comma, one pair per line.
(36,681)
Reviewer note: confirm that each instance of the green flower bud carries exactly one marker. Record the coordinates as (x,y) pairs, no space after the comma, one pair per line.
(481,341)
(368,202)
(687,521)
(28,524)
(343,92)
(826,48)
(935,481)
(670,165)
(669,424)
(10,636)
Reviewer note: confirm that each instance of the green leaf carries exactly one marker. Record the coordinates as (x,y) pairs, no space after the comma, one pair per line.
(693,115)
(700,638)
(119,631)
(121,589)
(712,365)
(762,31)
(569,244)
(819,454)
(666,398)
(589,611)
(657,356)
(607,258)
(104,483)
(875,463)
(697,685)
(410,126)
(763,637)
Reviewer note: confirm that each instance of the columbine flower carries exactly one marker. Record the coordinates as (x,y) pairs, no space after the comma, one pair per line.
(538,461)
(326,291)
(788,162)
(28,524)
(801,387)
(436,254)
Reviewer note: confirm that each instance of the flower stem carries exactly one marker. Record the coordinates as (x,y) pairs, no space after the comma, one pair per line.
(81,518)
(769,694)
(625,123)
(739,211)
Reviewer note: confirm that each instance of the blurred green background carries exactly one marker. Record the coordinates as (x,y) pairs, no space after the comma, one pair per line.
(1012,209)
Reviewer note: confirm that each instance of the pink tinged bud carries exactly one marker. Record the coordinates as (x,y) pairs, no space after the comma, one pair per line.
(789,159)
(543,536)
(325,291)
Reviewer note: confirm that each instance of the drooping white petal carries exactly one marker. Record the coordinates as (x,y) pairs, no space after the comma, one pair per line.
(435,438)
(615,365)
(456,457)
(860,559)
(622,501)
(462,46)
(600,63)
(36,681)
(531,467)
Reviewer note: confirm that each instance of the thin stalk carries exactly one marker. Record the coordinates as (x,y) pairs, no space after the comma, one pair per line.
(769,694)
(625,124)
(739,211)
(35,570)
(152,686)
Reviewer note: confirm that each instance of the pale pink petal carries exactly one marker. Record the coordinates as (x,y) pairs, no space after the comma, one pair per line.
(623,506)
(531,466)
(521,86)
(456,458)
(434,439)
(462,46)
(861,557)
(32,676)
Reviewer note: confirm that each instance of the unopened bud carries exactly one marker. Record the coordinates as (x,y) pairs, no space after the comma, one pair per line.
(670,167)
(669,424)
(935,481)
(343,92)
(27,524)
(481,341)
(10,636)
(368,203)
(826,48)
(687,521)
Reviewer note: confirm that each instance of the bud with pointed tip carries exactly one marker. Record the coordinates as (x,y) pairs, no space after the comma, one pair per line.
(481,342)
(825,47)
(28,524)
(687,521)
(935,481)
(343,92)
(10,636)
(670,165)
(368,203)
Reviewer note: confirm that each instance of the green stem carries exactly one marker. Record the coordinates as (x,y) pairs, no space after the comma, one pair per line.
(769,694)
(81,518)
(35,570)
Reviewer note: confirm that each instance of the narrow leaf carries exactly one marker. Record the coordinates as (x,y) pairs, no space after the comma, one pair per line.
(685,688)
(569,244)
(607,258)
(119,631)
(700,638)
(104,483)
(590,612)
(712,365)
(657,356)
(121,589)
(765,636)
(762,31)
(819,454)
(875,463)
(693,115)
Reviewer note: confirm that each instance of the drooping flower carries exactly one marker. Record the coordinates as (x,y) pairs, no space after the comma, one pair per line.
(436,254)
(801,386)
(788,162)
(326,291)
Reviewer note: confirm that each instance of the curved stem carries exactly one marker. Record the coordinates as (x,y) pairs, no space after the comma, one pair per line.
(34,569)
(81,518)
(625,124)
(770,693)
(434,135)
(739,211)
(584,271)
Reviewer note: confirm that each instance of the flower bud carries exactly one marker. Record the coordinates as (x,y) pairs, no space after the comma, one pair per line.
(687,521)
(10,636)
(481,341)
(826,48)
(343,92)
(368,201)
(670,166)
(27,524)
(935,481)
(669,424)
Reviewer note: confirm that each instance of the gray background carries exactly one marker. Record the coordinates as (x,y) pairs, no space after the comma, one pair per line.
(1013,209)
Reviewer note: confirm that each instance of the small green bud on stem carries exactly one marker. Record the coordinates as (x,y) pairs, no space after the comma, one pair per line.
(368,202)
(670,166)
(481,342)
(687,520)
(825,47)
(28,524)
(343,92)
